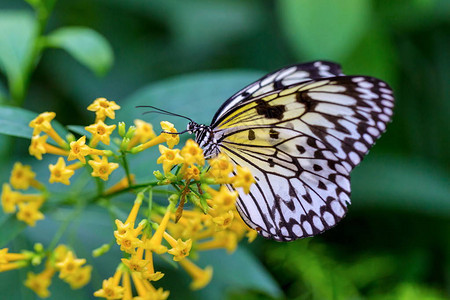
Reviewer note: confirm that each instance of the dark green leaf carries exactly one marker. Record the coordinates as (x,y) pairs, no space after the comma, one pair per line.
(324,29)
(18,31)
(401,183)
(85,45)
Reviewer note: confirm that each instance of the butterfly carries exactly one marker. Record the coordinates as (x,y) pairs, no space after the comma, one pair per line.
(300,130)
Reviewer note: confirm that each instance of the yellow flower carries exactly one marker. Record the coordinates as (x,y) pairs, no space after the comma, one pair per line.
(135,264)
(12,266)
(69,265)
(224,220)
(171,138)
(192,153)
(169,158)
(22,176)
(100,132)
(60,173)
(110,287)
(191,173)
(146,291)
(39,146)
(79,149)
(42,123)
(6,257)
(251,235)
(128,226)
(60,253)
(221,167)
(102,168)
(179,249)
(224,198)
(243,179)
(9,199)
(222,239)
(80,278)
(39,283)
(29,213)
(128,241)
(200,277)
(154,244)
(144,132)
(103,108)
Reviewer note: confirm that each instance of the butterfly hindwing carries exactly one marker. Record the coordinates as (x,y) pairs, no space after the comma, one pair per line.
(301,142)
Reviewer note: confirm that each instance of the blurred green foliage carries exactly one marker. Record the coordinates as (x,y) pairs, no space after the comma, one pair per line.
(188,57)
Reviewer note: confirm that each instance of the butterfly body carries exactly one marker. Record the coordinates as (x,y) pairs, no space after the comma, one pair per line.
(300,130)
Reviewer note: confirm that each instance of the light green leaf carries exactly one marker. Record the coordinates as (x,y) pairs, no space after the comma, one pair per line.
(11,227)
(374,55)
(324,29)
(85,45)
(18,31)
(14,122)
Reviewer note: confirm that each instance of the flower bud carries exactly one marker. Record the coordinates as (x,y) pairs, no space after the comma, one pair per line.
(121,129)
(101,250)
(158,175)
(131,132)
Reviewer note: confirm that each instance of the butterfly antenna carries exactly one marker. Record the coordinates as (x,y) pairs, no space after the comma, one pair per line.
(163,112)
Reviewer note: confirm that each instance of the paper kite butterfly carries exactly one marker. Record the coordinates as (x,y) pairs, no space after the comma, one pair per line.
(300,130)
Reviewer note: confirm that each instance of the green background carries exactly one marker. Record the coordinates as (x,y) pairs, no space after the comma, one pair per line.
(188,57)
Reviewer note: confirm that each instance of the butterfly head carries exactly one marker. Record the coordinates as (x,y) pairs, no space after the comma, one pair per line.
(204,136)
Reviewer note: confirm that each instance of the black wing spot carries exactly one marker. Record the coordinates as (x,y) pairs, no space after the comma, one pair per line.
(271,163)
(317,168)
(303,99)
(300,149)
(268,111)
(322,186)
(273,134)
(251,135)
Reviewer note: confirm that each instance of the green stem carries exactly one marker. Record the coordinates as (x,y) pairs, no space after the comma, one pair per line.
(100,186)
(150,203)
(126,167)
(65,225)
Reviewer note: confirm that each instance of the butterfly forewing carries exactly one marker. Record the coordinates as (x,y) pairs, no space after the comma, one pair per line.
(277,81)
(301,130)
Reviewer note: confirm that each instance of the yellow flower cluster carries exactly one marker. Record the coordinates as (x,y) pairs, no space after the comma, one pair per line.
(181,231)
(198,217)
(22,177)
(61,259)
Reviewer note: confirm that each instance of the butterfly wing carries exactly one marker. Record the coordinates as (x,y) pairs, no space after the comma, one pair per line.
(301,143)
(279,80)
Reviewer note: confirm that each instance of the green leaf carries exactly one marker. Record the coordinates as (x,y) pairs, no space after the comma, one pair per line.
(11,227)
(85,45)
(324,29)
(374,55)
(401,183)
(14,122)
(18,31)
(239,271)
